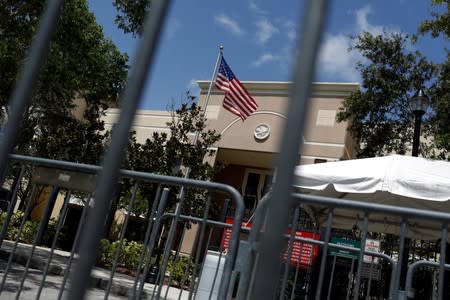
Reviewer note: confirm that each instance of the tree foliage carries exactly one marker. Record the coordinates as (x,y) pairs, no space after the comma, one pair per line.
(174,153)
(381,120)
(440,91)
(439,23)
(84,72)
(131,14)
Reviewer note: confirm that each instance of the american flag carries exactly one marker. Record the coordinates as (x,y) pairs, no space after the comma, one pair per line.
(237,100)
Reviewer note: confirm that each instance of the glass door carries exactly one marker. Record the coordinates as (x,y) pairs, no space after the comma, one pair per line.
(255,185)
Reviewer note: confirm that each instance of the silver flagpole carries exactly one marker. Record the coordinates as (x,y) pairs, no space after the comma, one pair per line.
(181,194)
(213,79)
(205,106)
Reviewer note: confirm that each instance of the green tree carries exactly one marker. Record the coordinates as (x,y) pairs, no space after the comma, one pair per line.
(381,120)
(439,27)
(176,152)
(131,14)
(84,74)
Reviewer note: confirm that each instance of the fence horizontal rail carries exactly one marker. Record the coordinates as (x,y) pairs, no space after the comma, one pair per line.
(159,220)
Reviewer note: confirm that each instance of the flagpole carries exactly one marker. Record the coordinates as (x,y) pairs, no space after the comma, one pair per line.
(213,79)
(181,193)
(205,106)
(197,134)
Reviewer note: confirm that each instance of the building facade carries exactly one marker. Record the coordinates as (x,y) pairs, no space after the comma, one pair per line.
(248,148)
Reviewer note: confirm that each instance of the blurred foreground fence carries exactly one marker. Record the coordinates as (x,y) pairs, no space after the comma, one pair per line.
(283,253)
(167,254)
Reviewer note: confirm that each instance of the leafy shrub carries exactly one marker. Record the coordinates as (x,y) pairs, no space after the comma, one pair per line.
(103,257)
(131,253)
(129,256)
(181,269)
(29,229)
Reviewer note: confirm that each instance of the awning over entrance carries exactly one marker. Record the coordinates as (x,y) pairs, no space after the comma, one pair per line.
(401,181)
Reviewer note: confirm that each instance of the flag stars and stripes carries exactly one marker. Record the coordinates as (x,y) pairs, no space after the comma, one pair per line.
(237,99)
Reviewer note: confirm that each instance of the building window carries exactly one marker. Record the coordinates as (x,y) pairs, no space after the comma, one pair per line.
(255,185)
(326,118)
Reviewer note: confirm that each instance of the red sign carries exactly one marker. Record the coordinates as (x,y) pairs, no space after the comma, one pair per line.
(226,235)
(303,254)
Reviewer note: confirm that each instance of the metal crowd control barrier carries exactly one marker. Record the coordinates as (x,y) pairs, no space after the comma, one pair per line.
(254,272)
(368,274)
(21,259)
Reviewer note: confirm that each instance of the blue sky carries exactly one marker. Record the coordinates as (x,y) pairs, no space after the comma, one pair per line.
(259,37)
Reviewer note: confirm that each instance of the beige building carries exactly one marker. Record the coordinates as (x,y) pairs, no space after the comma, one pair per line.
(248,148)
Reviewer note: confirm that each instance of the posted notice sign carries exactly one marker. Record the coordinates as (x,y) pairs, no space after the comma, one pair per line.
(344,252)
(226,235)
(372,245)
(303,254)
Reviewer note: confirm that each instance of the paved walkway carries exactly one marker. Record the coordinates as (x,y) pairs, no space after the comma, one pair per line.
(122,287)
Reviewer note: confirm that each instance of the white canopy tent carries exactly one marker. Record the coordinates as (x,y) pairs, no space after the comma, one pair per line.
(401,181)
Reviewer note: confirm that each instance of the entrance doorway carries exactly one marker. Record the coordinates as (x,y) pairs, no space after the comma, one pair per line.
(255,185)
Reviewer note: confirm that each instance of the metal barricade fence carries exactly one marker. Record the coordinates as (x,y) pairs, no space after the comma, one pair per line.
(255,271)
(157,260)
(312,258)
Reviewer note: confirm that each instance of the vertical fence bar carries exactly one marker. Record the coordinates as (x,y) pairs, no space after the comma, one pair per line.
(361,256)
(76,240)
(19,233)
(401,260)
(45,218)
(121,236)
(29,74)
(267,268)
(151,221)
(199,237)
(289,252)
(350,280)
(154,236)
(330,285)
(113,159)
(12,203)
(323,260)
(444,244)
(246,274)
(55,240)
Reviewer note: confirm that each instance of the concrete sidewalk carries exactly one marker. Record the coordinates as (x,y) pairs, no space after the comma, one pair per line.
(122,285)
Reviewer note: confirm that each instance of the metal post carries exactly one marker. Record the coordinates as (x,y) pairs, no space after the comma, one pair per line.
(267,267)
(111,164)
(46,216)
(416,138)
(29,75)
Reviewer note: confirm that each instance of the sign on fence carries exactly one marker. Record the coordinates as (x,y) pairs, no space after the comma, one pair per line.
(343,252)
(372,245)
(226,235)
(302,255)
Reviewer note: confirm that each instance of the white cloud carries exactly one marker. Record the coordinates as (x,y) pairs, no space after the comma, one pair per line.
(255,8)
(336,61)
(363,24)
(229,24)
(265,30)
(290,30)
(264,59)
